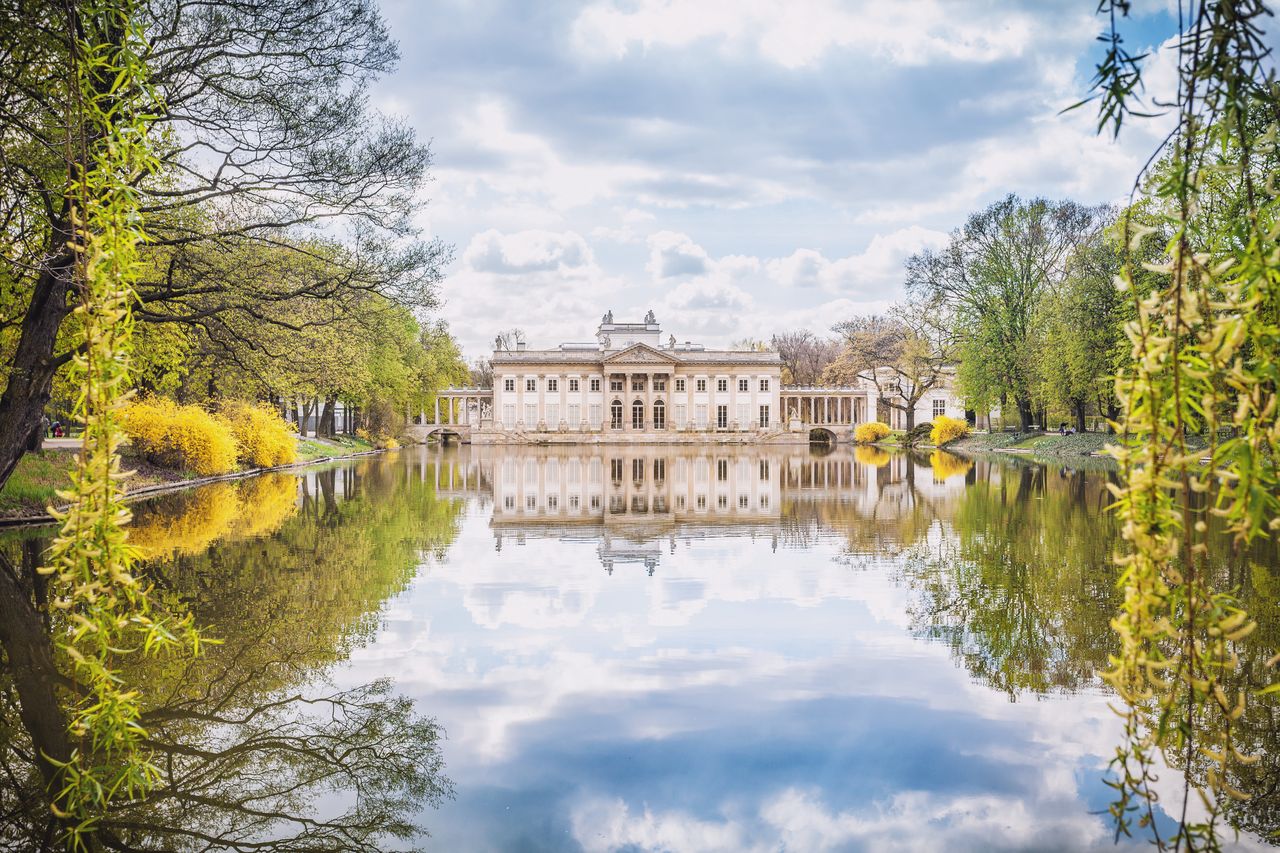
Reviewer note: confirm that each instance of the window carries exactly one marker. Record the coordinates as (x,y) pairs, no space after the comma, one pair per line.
(939,408)
(722,384)
(722,502)
(531,502)
(575,414)
(553,503)
(615,415)
(764,416)
(615,384)
(659,384)
(659,415)
(573,385)
(722,417)
(596,414)
(595,384)
(553,415)
(764,501)
(509,415)
(530,414)
(637,470)
(700,412)
(680,501)
(574,501)
(595,501)
(553,385)
(764,384)
(722,470)
(639,504)
(702,385)
(508,385)
(682,416)
(701,502)
(741,415)
(637,415)
(615,470)
(742,385)
(509,502)
(531,385)
(659,470)
(743,500)
(679,384)
(764,469)
(637,383)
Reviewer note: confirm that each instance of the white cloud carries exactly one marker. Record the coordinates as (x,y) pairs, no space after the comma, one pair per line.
(673,255)
(873,274)
(908,32)
(527,251)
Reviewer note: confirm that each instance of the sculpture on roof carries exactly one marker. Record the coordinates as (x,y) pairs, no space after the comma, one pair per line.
(608,318)
(671,342)
(649,319)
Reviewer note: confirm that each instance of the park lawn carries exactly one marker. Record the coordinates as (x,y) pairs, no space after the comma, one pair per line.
(34,483)
(321,448)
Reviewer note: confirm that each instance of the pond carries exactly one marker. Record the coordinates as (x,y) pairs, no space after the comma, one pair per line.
(633,649)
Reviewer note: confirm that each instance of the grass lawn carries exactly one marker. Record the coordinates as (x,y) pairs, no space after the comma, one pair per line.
(319,448)
(32,485)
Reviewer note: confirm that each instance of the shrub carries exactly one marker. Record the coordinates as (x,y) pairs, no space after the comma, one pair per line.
(947,429)
(265,438)
(389,444)
(176,436)
(870,432)
(918,433)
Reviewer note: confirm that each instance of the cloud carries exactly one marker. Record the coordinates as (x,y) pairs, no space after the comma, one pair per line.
(673,255)
(527,251)
(908,32)
(875,273)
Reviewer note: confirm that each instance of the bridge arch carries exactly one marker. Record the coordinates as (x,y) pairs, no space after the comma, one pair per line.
(822,435)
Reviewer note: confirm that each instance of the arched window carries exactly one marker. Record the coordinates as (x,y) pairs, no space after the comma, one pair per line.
(659,415)
(637,415)
(615,415)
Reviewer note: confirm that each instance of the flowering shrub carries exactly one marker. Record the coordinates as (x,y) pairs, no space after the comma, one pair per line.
(870,431)
(177,436)
(948,429)
(265,438)
(388,444)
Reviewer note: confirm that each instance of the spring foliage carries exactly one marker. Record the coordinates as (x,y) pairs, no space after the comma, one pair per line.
(263,437)
(111,613)
(871,431)
(947,429)
(178,436)
(1205,361)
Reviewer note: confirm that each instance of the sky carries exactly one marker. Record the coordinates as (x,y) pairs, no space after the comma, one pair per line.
(740,167)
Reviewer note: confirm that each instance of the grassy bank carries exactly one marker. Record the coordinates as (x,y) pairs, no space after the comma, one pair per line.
(35,482)
(1040,444)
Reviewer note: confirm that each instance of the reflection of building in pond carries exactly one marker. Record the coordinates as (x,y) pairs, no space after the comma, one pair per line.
(636,502)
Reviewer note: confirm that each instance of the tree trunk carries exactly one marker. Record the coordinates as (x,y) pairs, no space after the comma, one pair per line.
(1025,415)
(325,426)
(1079,409)
(31,372)
(910,414)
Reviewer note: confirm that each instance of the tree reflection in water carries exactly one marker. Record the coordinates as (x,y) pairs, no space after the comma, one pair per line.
(257,749)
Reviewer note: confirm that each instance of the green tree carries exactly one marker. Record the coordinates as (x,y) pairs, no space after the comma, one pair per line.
(992,275)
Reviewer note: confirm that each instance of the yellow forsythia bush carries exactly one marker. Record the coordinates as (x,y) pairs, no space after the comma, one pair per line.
(947,429)
(265,438)
(870,431)
(177,436)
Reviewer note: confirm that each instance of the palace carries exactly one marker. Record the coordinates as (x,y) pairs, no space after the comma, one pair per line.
(629,385)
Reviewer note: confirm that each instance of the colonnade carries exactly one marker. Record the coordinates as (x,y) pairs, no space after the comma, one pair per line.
(828,405)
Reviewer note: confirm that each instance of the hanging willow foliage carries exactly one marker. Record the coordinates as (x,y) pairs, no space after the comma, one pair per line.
(1199,430)
(108,609)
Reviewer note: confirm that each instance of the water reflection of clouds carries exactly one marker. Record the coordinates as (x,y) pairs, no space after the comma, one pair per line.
(745,697)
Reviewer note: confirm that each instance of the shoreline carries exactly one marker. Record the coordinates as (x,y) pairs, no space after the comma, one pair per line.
(8,522)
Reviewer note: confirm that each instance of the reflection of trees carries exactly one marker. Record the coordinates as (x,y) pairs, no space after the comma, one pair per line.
(256,753)
(1022,586)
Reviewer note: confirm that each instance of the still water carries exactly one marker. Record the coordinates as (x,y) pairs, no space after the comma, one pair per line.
(640,649)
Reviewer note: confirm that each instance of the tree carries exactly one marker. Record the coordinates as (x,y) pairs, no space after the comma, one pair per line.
(905,353)
(252,145)
(804,356)
(1079,328)
(991,275)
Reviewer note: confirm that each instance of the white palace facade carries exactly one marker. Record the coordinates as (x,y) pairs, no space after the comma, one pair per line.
(629,385)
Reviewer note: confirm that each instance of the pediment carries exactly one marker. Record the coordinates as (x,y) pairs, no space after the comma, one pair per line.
(640,354)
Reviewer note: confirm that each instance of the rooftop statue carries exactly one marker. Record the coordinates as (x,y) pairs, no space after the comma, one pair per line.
(649,319)
(608,317)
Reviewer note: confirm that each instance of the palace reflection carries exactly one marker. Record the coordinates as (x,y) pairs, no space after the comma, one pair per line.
(637,502)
